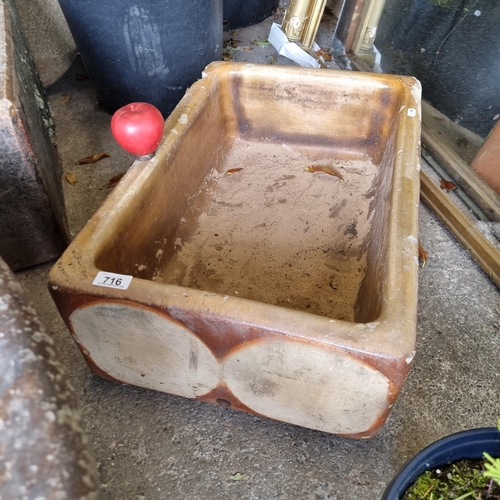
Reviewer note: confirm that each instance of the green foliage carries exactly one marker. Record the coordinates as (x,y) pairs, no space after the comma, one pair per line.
(456,481)
(459,480)
(492,467)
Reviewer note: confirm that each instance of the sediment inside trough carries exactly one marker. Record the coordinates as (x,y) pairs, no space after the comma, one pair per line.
(276,233)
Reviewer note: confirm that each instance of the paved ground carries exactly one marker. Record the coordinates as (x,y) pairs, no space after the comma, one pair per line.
(156,446)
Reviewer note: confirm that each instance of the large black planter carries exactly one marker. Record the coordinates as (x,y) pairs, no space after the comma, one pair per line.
(241,13)
(454,52)
(149,51)
(465,444)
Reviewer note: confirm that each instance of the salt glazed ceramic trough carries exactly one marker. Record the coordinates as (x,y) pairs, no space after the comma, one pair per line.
(266,258)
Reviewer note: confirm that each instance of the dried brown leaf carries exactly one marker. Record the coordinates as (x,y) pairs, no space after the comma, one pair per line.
(326,169)
(71,178)
(114,180)
(448,185)
(81,78)
(246,47)
(233,170)
(232,43)
(325,55)
(65,99)
(226,56)
(91,159)
(422,254)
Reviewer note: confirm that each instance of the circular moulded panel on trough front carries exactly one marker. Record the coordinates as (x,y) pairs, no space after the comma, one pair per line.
(142,347)
(313,386)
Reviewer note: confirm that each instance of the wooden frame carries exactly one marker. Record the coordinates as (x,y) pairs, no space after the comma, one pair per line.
(486,255)
(461,173)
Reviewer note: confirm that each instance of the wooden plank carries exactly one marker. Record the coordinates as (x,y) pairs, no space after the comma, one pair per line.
(486,255)
(461,173)
(461,140)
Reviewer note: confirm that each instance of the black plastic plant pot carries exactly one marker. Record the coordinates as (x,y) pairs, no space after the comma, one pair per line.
(145,50)
(241,13)
(462,445)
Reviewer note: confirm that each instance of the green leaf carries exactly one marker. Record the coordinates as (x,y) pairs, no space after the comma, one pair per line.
(466,495)
(492,468)
(239,476)
(261,42)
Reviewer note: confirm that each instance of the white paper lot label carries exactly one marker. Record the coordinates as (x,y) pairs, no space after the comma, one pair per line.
(112,280)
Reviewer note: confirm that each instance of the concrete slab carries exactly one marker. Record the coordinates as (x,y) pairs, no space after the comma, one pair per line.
(50,42)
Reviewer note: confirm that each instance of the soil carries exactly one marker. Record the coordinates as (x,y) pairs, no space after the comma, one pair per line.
(264,228)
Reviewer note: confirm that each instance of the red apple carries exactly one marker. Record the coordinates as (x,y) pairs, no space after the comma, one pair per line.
(138,128)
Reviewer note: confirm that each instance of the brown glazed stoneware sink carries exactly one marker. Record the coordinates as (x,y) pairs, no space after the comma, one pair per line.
(268,253)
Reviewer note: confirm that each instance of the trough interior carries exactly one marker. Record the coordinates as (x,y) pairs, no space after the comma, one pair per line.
(231,208)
